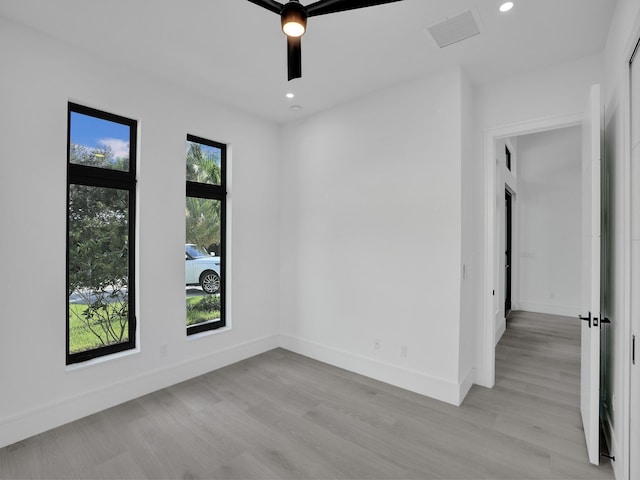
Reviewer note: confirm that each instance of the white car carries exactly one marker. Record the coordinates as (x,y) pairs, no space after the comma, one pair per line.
(201,268)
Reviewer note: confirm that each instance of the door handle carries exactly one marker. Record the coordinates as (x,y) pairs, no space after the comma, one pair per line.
(586,319)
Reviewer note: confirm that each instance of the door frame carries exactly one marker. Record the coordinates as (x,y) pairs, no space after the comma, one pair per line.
(492,290)
(508,271)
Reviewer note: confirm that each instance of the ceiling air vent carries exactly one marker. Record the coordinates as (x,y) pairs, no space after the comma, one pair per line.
(454,29)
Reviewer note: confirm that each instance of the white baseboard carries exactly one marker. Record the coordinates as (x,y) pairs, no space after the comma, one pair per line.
(412,380)
(483,378)
(466,384)
(28,423)
(567,311)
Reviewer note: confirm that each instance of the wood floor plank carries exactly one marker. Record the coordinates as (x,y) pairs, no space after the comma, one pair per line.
(245,467)
(280,415)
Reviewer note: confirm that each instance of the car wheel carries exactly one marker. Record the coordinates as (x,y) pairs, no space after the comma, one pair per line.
(210,281)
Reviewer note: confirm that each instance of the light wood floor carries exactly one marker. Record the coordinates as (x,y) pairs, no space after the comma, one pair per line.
(280,415)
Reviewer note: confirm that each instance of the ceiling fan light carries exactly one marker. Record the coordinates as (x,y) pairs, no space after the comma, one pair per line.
(293,29)
(294,19)
(506,6)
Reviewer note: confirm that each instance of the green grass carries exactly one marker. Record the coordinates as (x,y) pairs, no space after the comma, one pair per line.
(203,309)
(200,309)
(81,338)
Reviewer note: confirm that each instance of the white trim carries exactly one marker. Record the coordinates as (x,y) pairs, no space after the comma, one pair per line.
(207,333)
(228,253)
(103,358)
(486,374)
(624,450)
(500,329)
(37,420)
(465,385)
(398,376)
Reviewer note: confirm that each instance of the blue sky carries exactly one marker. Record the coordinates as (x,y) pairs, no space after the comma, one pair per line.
(208,150)
(97,133)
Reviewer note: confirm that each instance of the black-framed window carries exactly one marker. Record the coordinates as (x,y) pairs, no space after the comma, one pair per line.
(507,153)
(205,219)
(101,206)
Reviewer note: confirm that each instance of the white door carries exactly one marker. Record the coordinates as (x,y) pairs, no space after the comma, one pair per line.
(590,326)
(634,401)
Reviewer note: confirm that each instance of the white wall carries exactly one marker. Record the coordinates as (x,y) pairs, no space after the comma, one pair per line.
(555,91)
(371,235)
(623,35)
(38,77)
(549,218)
(470,314)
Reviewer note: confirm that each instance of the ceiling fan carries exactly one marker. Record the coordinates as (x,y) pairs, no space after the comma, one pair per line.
(293,17)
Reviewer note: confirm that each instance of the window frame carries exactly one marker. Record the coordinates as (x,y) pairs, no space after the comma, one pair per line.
(213,192)
(90,176)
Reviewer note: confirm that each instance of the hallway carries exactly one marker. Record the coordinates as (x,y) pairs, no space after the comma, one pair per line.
(536,398)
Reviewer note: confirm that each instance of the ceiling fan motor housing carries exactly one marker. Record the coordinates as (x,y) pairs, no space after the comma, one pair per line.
(293,13)
(293,17)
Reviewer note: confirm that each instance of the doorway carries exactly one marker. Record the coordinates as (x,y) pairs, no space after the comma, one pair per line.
(494,256)
(585,234)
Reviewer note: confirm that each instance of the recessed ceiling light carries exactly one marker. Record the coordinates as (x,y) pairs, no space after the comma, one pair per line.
(506,6)
(296,108)
(289,95)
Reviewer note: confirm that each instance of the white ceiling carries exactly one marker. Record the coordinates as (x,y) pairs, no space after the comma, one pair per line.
(235,52)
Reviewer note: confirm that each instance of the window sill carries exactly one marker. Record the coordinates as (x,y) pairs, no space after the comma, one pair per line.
(103,359)
(208,333)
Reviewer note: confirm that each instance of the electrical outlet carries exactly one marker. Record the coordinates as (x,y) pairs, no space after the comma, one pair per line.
(403,351)
(376,344)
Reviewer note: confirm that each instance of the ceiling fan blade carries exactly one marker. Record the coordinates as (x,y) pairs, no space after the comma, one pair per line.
(322,7)
(294,58)
(270,5)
